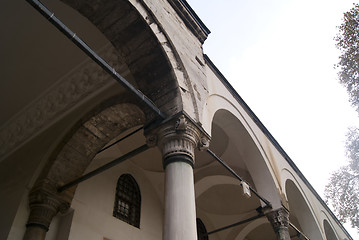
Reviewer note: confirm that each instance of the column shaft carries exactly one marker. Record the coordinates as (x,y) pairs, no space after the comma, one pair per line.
(35,233)
(180,210)
(177,140)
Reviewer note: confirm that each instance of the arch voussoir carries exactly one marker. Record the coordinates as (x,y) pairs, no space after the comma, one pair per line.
(126,28)
(91,137)
(86,140)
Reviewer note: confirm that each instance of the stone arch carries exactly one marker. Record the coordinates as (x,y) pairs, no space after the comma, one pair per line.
(301,212)
(329,231)
(73,156)
(78,148)
(132,30)
(89,136)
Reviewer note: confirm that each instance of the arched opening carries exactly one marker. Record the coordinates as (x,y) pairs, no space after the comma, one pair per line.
(301,215)
(145,63)
(92,205)
(87,138)
(329,232)
(219,195)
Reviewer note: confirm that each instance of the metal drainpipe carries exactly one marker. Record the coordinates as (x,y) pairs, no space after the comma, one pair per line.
(93,55)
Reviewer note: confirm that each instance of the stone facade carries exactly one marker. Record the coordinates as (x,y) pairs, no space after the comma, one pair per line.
(75,111)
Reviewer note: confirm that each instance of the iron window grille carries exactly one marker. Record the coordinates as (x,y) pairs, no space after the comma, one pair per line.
(127,205)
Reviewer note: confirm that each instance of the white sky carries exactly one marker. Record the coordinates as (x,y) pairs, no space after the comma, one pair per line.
(279,55)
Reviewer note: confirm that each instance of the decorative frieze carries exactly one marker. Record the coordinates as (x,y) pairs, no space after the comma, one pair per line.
(68,91)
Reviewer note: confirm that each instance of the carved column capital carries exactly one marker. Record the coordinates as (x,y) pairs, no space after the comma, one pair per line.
(177,140)
(280,221)
(44,204)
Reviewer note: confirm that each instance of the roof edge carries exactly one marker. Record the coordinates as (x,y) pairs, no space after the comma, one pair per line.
(191,19)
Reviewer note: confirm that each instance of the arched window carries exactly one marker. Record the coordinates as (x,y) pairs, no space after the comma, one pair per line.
(128,200)
(201,230)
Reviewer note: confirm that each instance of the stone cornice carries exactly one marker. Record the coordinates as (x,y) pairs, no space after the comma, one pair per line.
(190,18)
(65,94)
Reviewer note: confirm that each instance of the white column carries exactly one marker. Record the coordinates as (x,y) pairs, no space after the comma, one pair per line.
(180,209)
(177,139)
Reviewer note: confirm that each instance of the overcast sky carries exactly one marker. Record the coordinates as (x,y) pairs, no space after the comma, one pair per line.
(279,55)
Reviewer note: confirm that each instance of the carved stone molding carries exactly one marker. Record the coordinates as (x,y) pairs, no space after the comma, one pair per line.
(280,222)
(69,90)
(178,137)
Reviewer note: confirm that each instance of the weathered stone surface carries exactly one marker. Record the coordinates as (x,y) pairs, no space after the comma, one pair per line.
(80,148)
(280,222)
(129,32)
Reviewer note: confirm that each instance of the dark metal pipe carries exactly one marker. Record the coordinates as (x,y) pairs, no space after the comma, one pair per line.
(104,167)
(238,177)
(121,139)
(93,55)
(236,224)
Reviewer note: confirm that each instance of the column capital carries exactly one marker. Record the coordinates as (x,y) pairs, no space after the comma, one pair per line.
(177,139)
(280,221)
(44,204)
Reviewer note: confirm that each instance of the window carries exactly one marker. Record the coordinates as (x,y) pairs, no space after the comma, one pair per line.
(128,200)
(201,230)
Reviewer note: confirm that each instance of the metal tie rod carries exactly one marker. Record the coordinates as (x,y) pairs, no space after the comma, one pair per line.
(300,235)
(238,177)
(121,139)
(92,54)
(104,167)
(236,224)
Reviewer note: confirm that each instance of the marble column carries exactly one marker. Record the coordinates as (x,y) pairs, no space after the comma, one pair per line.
(280,221)
(177,140)
(44,205)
